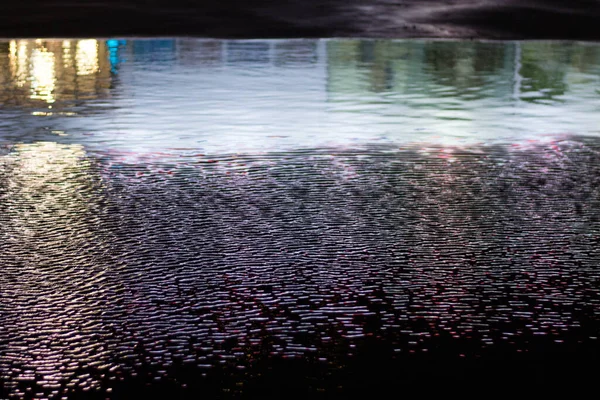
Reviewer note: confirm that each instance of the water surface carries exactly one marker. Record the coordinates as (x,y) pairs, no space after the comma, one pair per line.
(231,218)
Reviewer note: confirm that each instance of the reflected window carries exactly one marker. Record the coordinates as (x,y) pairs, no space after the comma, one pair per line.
(18,62)
(42,75)
(248,52)
(200,52)
(154,51)
(67,55)
(87,57)
(295,53)
(54,72)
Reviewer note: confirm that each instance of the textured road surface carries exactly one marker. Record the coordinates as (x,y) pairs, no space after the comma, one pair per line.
(576,19)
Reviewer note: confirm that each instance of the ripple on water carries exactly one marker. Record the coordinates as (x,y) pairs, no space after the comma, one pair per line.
(119,274)
(183,217)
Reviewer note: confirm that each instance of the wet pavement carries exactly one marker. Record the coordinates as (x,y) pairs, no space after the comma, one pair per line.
(257,218)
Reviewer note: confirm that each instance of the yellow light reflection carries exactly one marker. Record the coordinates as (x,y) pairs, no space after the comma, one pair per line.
(67,57)
(48,198)
(12,49)
(18,62)
(43,177)
(87,57)
(42,75)
(13,60)
(53,71)
(48,159)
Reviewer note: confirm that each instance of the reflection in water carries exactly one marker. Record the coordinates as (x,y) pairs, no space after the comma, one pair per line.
(18,62)
(87,57)
(326,92)
(465,91)
(336,259)
(46,160)
(205,217)
(42,74)
(50,246)
(51,72)
(67,57)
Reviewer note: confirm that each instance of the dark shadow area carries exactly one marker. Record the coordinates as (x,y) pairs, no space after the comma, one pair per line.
(534,19)
(295,18)
(228,18)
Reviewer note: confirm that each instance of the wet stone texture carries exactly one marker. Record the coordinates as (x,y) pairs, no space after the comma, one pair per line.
(321,272)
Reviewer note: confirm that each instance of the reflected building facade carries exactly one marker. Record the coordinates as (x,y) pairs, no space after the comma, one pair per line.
(470,70)
(360,89)
(199,53)
(462,89)
(51,73)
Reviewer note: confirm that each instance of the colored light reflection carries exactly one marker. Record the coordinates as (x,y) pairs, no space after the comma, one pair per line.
(67,54)
(53,71)
(87,57)
(18,62)
(49,196)
(48,158)
(43,76)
